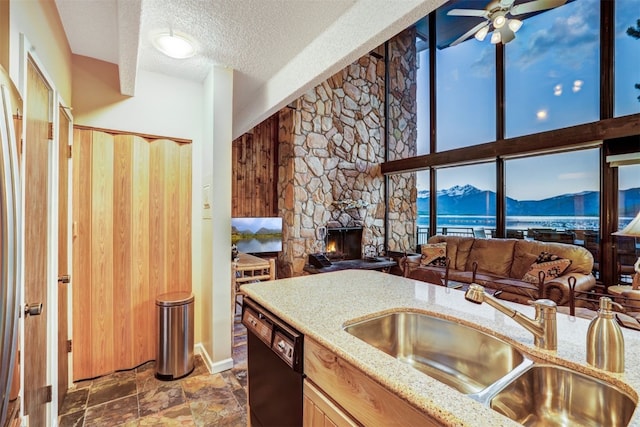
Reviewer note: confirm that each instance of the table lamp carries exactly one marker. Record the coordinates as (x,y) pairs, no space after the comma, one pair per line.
(633,230)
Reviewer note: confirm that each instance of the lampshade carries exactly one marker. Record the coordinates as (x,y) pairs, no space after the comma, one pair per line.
(495,37)
(632,229)
(514,24)
(482,33)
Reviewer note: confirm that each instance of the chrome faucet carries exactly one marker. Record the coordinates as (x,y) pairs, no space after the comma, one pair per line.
(543,326)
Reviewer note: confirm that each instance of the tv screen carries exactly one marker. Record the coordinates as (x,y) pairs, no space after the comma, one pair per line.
(256,235)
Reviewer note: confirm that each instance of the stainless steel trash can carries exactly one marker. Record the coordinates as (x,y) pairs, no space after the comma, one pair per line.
(174,357)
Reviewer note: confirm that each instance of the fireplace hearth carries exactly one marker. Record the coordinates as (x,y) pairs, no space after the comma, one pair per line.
(343,243)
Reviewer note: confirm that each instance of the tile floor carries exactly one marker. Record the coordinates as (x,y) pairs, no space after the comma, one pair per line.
(137,398)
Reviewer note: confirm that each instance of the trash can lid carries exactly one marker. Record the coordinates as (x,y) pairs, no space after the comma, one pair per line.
(174,298)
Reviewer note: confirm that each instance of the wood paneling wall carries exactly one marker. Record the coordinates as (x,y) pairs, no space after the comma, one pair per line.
(132,242)
(255,167)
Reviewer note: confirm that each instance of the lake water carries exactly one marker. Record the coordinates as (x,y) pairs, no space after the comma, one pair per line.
(259,245)
(521,222)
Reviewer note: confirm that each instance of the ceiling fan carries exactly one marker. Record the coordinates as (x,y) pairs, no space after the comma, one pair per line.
(495,15)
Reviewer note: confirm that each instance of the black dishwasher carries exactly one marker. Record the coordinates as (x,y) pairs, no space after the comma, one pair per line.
(274,359)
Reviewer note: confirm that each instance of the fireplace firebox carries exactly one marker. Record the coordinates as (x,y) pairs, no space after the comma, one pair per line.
(344,243)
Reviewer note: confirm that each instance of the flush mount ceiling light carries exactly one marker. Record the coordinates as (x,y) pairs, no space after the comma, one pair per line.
(495,15)
(174,44)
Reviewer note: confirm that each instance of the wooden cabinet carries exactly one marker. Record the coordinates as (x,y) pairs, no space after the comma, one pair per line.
(320,411)
(366,401)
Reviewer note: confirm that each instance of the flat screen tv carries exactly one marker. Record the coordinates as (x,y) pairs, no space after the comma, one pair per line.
(257,235)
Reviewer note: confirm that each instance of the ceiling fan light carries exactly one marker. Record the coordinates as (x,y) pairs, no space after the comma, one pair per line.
(174,45)
(514,24)
(499,21)
(506,35)
(495,37)
(482,33)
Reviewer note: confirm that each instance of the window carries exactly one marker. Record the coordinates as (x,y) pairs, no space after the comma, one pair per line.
(552,81)
(422,206)
(554,197)
(552,70)
(466,201)
(422,98)
(627,52)
(465,95)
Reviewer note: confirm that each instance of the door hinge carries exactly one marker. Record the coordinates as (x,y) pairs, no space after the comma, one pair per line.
(50,137)
(70,154)
(49,396)
(20,145)
(69,346)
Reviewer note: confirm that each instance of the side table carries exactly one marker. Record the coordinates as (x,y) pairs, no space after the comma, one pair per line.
(617,290)
(625,295)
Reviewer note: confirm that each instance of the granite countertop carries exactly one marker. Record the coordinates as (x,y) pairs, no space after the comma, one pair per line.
(320,305)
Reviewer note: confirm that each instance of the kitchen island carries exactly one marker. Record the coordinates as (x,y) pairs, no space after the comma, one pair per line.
(320,305)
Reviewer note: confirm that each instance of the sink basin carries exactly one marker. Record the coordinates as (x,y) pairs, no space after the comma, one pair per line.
(547,395)
(457,355)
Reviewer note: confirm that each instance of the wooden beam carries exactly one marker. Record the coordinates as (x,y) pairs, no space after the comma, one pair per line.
(554,140)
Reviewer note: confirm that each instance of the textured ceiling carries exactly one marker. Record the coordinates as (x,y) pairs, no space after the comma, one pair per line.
(268,43)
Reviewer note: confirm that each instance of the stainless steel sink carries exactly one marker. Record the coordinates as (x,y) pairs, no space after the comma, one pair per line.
(462,357)
(548,395)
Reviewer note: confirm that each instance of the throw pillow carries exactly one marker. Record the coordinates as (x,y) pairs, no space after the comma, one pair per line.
(552,266)
(546,257)
(434,254)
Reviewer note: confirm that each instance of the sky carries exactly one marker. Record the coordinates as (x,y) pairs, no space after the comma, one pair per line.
(553,73)
(255,224)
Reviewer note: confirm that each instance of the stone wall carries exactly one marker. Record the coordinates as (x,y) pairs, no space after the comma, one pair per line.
(402,194)
(331,145)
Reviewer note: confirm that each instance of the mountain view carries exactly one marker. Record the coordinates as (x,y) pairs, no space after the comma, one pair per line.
(261,232)
(473,201)
(255,235)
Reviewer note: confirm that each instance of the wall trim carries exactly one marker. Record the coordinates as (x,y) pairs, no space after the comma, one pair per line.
(146,136)
(216,367)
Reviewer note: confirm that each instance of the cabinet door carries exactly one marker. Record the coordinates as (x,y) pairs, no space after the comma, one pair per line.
(367,401)
(319,411)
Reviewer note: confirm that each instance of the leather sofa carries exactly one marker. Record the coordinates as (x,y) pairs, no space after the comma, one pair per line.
(501,265)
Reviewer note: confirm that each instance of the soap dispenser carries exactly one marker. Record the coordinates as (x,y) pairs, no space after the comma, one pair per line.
(605,343)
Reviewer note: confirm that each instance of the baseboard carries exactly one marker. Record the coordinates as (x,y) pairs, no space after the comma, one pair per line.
(216,367)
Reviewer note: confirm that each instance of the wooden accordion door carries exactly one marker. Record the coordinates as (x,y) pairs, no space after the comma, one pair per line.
(131,242)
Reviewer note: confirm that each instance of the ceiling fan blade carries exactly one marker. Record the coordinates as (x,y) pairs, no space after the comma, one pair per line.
(468,12)
(469,33)
(505,4)
(535,6)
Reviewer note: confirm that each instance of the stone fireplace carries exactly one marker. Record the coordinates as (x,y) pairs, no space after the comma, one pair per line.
(344,243)
(331,143)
